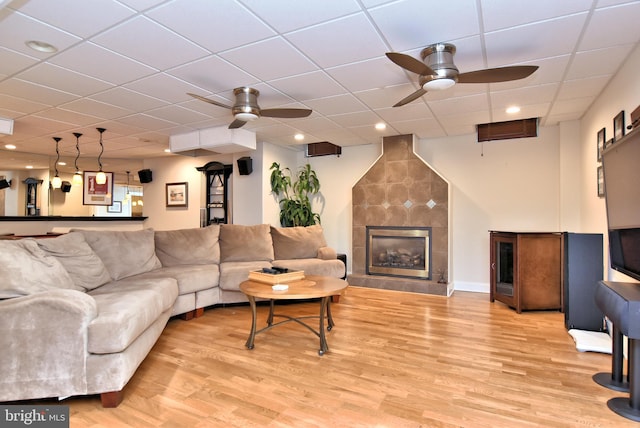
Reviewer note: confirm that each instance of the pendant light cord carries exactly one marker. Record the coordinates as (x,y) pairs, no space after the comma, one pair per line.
(100,130)
(57,140)
(75,162)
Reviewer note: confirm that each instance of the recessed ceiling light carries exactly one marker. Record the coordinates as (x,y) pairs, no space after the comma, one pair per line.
(62,163)
(29,166)
(167,150)
(41,46)
(513,110)
(299,137)
(381,126)
(10,146)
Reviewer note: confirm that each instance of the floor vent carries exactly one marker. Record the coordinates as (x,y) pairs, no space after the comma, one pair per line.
(523,128)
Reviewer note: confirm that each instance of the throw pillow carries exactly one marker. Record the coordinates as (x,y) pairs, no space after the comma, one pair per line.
(124,253)
(26,269)
(188,246)
(239,243)
(83,265)
(297,242)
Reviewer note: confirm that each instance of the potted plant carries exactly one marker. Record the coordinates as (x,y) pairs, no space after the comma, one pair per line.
(295,196)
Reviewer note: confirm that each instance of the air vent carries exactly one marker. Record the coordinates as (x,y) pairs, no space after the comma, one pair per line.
(323,148)
(523,128)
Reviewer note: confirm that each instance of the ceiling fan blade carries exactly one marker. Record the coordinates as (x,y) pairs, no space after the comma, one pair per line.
(237,124)
(285,112)
(409,63)
(207,100)
(414,96)
(500,74)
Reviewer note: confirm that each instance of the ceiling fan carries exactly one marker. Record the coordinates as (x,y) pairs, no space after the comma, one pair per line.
(437,71)
(246,109)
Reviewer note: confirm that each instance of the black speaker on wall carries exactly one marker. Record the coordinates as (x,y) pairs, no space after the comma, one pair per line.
(245,165)
(145,176)
(65,186)
(4,184)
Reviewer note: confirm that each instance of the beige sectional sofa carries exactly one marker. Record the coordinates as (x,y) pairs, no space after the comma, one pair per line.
(81,311)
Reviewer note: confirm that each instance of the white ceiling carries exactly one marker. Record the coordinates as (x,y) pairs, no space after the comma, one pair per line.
(127,66)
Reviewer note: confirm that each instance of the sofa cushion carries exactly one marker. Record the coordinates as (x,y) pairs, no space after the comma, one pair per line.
(191,278)
(188,246)
(240,243)
(26,269)
(124,253)
(126,309)
(334,268)
(297,242)
(233,273)
(83,265)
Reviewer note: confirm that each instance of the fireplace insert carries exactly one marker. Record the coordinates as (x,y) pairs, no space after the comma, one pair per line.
(399,251)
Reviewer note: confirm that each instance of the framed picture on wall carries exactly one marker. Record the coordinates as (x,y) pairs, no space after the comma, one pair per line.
(177,194)
(602,138)
(618,126)
(600,182)
(94,193)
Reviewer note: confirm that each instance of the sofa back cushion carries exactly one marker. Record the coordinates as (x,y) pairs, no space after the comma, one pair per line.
(124,253)
(240,243)
(26,269)
(188,246)
(297,242)
(83,265)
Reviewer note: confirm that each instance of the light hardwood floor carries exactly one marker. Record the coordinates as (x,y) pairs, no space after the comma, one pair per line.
(395,360)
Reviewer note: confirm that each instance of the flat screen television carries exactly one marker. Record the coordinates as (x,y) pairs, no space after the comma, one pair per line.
(621,170)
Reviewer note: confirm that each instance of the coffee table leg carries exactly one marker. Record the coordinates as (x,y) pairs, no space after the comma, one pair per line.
(330,323)
(254,315)
(323,340)
(270,318)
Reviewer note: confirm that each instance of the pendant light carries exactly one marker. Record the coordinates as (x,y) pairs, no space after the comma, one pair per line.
(101,177)
(56,183)
(77,177)
(127,196)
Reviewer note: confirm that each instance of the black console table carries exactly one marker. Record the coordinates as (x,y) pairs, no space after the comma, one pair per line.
(620,302)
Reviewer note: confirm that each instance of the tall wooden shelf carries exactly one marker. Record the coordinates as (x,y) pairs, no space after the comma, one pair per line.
(217,192)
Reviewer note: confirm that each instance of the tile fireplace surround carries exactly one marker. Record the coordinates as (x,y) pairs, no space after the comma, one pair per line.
(399,190)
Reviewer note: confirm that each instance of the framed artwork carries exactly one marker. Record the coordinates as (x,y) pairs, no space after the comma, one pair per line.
(116,207)
(602,138)
(600,182)
(94,193)
(618,126)
(177,194)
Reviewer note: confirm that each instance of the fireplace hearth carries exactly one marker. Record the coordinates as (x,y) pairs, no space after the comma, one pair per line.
(399,251)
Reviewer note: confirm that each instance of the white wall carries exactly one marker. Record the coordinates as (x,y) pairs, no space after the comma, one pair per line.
(509,185)
(622,93)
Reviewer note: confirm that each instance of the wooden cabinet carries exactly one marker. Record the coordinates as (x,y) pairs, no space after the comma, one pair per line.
(527,270)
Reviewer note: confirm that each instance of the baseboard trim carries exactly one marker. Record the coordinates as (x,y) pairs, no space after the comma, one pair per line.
(475,287)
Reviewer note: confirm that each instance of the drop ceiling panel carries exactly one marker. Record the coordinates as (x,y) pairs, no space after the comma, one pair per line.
(95,61)
(415,24)
(82,19)
(176,50)
(216,26)
(499,14)
(333,51)
(289,15)
(213,74)
(601,34)
(65,80)
(270,59)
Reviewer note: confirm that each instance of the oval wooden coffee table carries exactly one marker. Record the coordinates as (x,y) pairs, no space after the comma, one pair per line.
(310,287)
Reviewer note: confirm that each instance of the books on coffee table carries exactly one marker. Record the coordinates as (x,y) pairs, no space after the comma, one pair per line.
(276,278)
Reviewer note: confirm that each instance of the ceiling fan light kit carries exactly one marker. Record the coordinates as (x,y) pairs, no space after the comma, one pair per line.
(437,71)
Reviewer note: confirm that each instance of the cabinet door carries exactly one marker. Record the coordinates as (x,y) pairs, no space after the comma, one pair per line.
(503,269)
(540,271)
